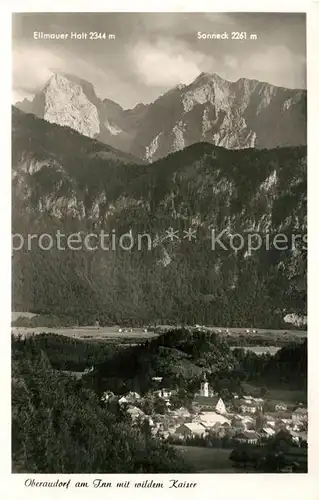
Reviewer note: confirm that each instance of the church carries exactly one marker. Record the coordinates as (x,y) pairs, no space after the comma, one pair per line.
(207,400)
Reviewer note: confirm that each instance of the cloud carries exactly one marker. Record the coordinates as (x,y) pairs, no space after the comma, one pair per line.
(231,62)
(33,67)
(154,52)
(280,65)
(167,62)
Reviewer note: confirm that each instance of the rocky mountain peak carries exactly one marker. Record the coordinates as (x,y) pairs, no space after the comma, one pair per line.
(64,100)
(234,115)
(207,77)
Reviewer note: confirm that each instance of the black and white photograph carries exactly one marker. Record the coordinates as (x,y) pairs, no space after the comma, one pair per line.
(159,244)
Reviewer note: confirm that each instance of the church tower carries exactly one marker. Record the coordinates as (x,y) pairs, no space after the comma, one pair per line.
(204,390)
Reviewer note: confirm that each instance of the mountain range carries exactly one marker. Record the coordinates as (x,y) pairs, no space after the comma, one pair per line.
(234,115)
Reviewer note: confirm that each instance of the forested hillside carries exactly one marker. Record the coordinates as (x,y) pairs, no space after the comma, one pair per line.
(180,357)
(63,181)
(59,426)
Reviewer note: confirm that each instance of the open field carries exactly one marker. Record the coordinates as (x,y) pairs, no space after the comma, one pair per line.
(253,332)
(207,460)
(15,315)
(111,333)
(280,395)
(88,333)
(264,332)
(256,340)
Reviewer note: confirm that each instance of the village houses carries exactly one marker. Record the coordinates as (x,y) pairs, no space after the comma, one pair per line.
(248,404)
(208,415)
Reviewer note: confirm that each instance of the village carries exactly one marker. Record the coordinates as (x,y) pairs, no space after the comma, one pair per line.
(245,419)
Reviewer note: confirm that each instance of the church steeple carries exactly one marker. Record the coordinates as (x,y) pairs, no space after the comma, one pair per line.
(204,391)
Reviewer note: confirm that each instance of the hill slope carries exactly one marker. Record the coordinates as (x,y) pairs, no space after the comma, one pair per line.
(64,181)
(182,358)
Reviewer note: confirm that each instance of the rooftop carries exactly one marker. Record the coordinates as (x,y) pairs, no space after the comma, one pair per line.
(269,431)
(195,427)
(250,404)
(207,401)
(183,412)
(301,411)
(278,414)
(135,411)
(247,435)
(252,399)
(211,418)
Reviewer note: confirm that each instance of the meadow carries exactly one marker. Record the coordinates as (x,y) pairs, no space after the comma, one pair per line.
(207,460)
(110,333)
(282,394)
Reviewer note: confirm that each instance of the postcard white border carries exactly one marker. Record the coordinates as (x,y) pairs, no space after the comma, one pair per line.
(226,486)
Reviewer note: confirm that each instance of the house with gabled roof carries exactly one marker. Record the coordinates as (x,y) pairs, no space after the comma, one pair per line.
(135,413)
(267,432)
(163,393)
(209,419)
(132,396)
(248,406)
(299,415)
(280,407)
(191,429)
(107,396)
(250,437)
(123,400)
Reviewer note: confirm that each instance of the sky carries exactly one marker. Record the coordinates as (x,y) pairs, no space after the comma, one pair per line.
(153,52)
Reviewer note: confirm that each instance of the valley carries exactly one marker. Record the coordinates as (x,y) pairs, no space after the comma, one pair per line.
(131,336)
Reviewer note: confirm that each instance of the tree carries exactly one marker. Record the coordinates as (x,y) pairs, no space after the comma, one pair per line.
(59,426)
(159,405)
(182,398)
(263,392)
